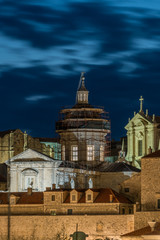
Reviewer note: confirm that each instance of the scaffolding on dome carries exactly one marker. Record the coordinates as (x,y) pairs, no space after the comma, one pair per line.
(84,124)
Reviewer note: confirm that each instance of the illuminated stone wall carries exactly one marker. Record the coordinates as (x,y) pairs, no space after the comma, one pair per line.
(132,187)
(47,227)
(15,142)
(150,176)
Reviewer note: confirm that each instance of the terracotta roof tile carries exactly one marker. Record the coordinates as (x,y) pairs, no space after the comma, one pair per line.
(24,197)
(144,231)
(103,196)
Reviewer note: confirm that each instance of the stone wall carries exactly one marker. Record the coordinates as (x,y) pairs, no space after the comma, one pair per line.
(132,187)
(22,209)
(142,218)
(47,227)
(113,179)
(150,176)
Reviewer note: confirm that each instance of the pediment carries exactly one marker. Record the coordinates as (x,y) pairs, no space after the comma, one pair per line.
(137,121)
(30,155)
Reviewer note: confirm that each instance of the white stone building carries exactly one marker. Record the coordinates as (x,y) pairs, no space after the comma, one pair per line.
(32,169)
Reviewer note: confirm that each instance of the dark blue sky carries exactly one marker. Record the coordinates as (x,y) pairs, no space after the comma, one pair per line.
(44,45)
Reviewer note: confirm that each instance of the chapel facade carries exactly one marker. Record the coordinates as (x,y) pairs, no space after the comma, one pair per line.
(143,135)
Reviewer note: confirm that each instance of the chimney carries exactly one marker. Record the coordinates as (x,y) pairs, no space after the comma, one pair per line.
(48,188)
(110,198)
(53,186)
(149,150)
(152,225)
(29,191)
(146,112)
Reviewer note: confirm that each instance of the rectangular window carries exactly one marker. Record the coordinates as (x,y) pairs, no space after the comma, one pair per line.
(73,198)
(90,152)
(130,210)
(74,152)
(126,189)
(53,198)
(139,147)
(123,210)
(89,197)
(101,153)
(158,203)
(63,152)
(69,211)
(29,182)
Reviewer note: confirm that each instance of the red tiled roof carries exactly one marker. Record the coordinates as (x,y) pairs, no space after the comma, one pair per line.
(103,196)
(24,197)
(144,231)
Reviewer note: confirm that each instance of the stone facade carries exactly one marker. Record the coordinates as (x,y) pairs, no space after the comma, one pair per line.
(132,188)
(32,169)
(13,142)
(150,177)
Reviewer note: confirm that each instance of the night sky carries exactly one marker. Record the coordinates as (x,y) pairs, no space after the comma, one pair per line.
(44,46)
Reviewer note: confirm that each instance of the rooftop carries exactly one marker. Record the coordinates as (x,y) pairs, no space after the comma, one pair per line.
(153,155)
(144,231)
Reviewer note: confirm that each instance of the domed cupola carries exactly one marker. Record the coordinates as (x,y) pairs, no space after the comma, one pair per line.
(82,93)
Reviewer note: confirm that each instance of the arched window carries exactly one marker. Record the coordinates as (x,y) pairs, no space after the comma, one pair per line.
(29,179)
(90,183)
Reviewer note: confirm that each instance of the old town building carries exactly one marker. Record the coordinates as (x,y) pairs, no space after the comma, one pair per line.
(13,142)
(34,169)
(143,135)
(45,215)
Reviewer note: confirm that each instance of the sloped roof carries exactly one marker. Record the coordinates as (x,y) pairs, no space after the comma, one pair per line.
(102,197)
(153,155)
(117,167)
(24,197)
(30,155)
(144,231)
